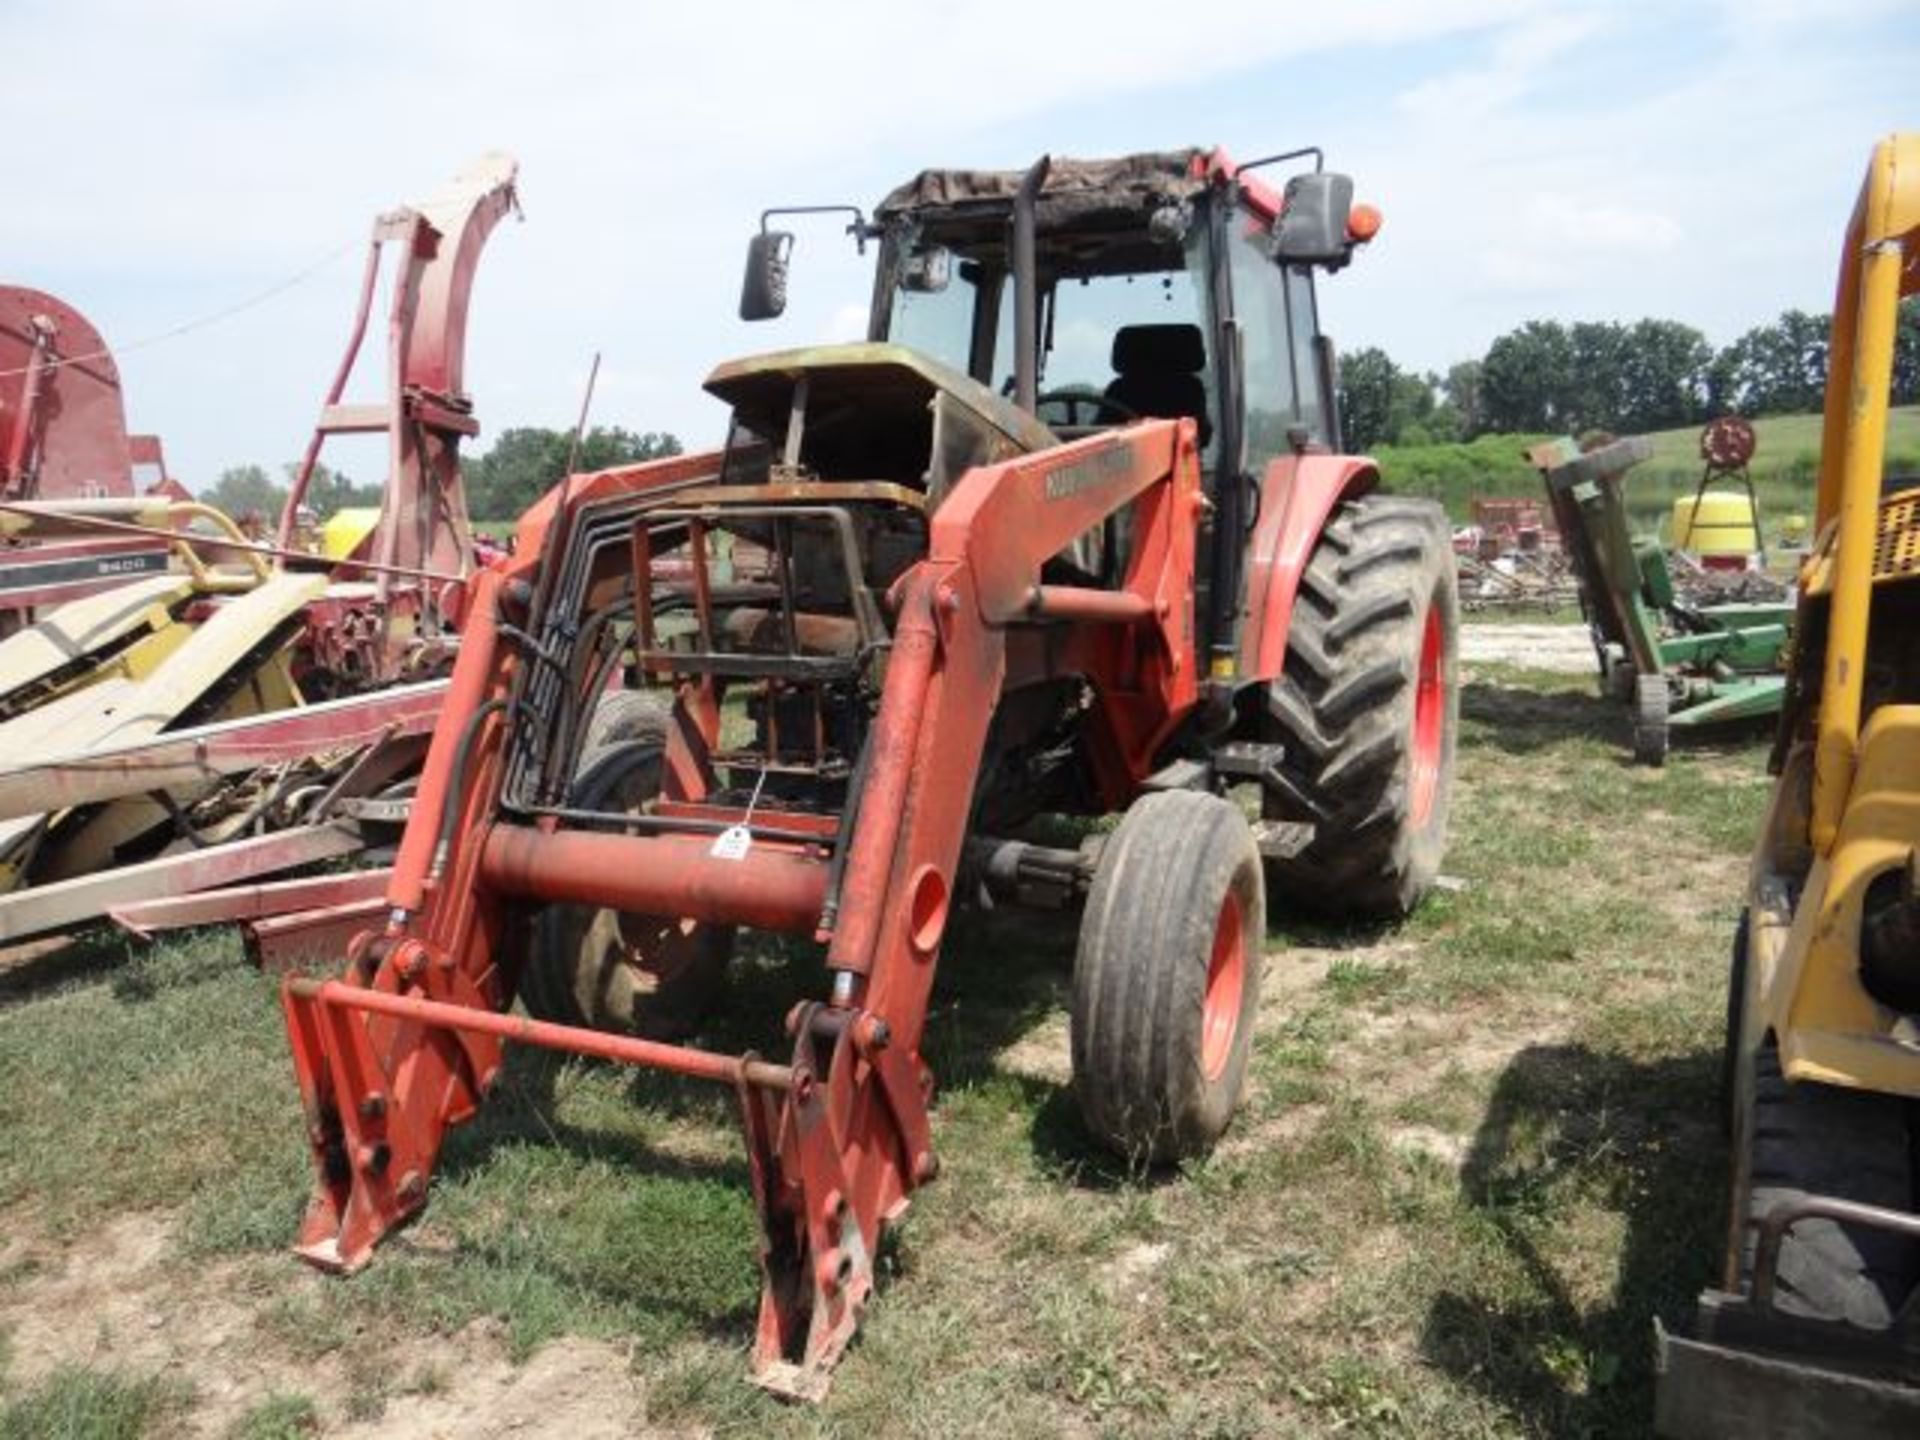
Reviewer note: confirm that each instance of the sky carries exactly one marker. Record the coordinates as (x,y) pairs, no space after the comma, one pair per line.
(1685,159)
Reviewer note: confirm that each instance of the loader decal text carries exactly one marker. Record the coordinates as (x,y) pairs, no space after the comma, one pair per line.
(1101,468)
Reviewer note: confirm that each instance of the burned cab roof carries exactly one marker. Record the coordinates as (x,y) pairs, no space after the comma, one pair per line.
(1078,194)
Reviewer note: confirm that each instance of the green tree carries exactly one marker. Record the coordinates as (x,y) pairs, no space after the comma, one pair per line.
(1461,387)
(1527,377)
(329,492)
(1368,379)
(1777,369)
(247,492)
(1593,392)
(1591,375)
(1664,378)
(527,461)
(1415,416)
(1906,354)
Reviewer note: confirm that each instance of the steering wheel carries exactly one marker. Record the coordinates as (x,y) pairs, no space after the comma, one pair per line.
(1074,399)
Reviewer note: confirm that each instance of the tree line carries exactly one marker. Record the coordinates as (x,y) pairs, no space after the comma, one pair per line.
(1552,378)
(516,470)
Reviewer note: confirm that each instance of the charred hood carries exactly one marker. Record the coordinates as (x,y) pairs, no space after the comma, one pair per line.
(877,412)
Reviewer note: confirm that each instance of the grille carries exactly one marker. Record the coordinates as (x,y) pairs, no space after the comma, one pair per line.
(1898,551)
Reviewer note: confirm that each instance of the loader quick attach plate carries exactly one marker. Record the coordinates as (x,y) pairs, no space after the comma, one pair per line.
(1898,552)
(1712,1389)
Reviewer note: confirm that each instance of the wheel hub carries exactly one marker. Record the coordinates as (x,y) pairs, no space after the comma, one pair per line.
(1226,982)
(1429,719)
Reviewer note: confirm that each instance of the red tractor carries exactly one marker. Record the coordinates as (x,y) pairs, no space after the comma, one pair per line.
(1071,533)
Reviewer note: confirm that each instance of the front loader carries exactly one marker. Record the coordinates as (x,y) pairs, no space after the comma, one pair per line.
(1069,534)
(1814,1326)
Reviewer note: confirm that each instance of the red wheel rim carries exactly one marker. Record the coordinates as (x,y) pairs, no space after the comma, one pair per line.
(1226,983)
(1429,719)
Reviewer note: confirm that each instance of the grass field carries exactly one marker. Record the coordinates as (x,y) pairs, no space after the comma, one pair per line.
(1786,460)
(1478,1157)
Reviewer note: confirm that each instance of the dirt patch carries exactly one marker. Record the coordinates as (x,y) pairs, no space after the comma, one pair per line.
(1425,1141)
(1131,1274)
(1563,648)
(119,1297)
(583,1389)
(1292,974)
(116,1298)
(1389,1057)
(1042,1053)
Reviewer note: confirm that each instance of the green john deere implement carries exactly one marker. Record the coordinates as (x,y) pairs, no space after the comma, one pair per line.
(1675,664)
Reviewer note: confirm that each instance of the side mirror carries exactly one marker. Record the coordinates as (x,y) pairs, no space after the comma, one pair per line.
(1312,229)
(763,293)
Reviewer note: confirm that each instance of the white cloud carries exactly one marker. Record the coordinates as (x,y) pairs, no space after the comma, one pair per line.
(1519,63)
(1560,236)
(1572,223)
(1673,176)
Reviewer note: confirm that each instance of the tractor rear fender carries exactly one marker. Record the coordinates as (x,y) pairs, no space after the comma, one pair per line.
(1297,496)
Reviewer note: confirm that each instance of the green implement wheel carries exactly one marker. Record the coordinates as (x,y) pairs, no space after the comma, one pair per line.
(1650,724)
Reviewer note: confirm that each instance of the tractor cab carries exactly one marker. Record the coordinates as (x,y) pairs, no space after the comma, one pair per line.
(1093,293)
(1159,290)
(1164,284)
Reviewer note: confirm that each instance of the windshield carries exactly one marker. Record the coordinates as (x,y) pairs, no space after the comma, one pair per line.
(940,322)
(1126,341)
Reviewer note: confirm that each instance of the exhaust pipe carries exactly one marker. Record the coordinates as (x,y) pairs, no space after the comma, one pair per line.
(1026,302)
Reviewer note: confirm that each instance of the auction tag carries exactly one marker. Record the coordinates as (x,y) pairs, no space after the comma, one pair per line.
(733,843)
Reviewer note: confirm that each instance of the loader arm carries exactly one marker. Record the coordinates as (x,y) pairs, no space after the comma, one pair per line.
(408,1041)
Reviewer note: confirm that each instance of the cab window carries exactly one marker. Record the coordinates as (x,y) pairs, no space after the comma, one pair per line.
(1277,313)
(1304,322)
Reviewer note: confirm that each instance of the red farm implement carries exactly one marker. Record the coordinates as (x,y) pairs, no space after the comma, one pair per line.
(228,709)
(63,436)
(1149,584)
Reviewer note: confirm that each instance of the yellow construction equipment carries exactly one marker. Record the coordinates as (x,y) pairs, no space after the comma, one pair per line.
(1815,1326)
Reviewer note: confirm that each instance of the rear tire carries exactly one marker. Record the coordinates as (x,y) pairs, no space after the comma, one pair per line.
(634,974)
(1166,982)
(1367,708)
(1811,1139)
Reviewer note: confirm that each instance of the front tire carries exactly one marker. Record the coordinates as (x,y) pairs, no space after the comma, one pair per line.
(1367,708)
(635,974)
(1166,982)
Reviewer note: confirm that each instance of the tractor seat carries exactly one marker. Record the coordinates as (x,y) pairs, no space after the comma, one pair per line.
(1157,372)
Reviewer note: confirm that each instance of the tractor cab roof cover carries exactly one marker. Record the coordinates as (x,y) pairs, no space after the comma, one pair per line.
(1078,194)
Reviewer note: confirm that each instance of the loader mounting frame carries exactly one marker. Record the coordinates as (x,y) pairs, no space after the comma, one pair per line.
(409,1042)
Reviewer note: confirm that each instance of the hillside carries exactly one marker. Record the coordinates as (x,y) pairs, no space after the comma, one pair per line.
(1783,468)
